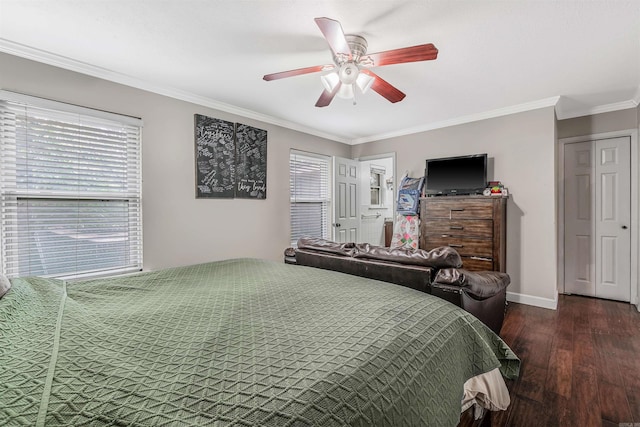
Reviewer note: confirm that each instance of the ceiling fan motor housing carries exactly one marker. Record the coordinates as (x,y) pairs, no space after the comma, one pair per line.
(358,46)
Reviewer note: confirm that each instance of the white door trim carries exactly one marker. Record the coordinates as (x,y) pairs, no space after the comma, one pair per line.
(635,197)
(395,178)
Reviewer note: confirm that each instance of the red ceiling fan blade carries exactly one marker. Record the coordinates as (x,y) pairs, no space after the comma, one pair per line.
(385,88)
(326,97)
(332,31)
(299,71)
(423,52)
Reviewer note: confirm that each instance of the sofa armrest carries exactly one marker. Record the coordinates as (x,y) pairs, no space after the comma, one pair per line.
(479,284)
(290,256)
(482,293)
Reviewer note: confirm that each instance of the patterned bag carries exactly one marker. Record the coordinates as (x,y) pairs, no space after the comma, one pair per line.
(406,231)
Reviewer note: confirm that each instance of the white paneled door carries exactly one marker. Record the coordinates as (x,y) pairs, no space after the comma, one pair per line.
(597,209)
(579,251)
(346,220)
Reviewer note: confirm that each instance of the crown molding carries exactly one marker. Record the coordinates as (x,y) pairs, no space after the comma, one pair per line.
(528,106)
(564,113)
(48,58)
(636,97)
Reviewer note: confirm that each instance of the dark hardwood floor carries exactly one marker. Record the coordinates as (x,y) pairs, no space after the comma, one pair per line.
(580,364)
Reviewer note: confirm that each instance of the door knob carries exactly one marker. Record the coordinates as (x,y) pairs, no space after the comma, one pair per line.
(624,227)
(337,224)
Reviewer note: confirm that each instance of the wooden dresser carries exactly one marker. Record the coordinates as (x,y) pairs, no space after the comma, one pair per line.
(474,225)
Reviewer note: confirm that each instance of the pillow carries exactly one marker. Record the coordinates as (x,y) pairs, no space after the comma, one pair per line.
(441,257)
(5,285)
(322,245)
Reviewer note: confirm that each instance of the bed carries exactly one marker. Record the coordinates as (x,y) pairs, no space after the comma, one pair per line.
(239,342)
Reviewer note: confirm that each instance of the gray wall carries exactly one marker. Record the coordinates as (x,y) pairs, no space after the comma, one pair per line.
(599,123)
(522,155)
(178,229)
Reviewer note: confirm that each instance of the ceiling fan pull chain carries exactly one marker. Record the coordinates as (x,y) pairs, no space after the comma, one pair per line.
(354,93)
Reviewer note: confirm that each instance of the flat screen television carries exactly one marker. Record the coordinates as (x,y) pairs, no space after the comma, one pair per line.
(456,175)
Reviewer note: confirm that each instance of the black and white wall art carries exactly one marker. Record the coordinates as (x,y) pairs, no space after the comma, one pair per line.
(231,159)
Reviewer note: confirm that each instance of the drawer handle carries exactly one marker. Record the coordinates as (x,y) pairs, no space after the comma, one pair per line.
(456,227)
(479,258)
(452,210)
(455,246)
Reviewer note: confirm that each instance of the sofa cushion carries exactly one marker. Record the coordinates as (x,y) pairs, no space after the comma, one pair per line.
(322,245)
(441,257)
(480,284)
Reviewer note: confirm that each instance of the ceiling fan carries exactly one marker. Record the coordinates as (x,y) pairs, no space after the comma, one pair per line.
(351,65)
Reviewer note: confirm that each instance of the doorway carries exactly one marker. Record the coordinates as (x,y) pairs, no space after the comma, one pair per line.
(377,198)
(597,216)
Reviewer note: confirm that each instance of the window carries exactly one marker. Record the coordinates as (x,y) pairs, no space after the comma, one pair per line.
(310,195)
(376,186)
(70,189)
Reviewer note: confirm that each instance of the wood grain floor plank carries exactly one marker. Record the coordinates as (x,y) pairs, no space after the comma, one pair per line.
(527,413)
(580,364)
(633,397)
(585,399)
(613,403)
(532,382)
(558,410)
(583,350)
(560,372)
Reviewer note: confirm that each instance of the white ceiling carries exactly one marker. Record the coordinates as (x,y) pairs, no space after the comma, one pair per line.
(495,57)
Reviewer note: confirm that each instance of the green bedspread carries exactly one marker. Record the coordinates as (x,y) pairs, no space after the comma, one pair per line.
(238,342)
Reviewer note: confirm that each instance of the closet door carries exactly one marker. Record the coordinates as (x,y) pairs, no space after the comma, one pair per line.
(579,206)
(613,218)
(597,215)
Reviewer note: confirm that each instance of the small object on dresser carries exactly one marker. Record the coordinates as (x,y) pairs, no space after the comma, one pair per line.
(495,188)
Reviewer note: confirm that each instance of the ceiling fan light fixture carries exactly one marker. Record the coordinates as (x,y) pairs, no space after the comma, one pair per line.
(330,80)
(346,92)
(348,73)
(364,82)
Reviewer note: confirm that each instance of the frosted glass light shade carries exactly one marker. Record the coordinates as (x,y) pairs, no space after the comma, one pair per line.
(346,91)
(329,81)
(364,82)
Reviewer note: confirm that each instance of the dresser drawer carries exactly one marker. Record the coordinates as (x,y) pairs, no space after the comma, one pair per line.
(475,228)
(464,246)
(458,209)
(477,263)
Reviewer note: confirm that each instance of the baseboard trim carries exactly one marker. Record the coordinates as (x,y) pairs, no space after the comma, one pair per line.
(551,304)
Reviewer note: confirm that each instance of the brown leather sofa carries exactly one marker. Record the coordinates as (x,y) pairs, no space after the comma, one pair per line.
(436,272)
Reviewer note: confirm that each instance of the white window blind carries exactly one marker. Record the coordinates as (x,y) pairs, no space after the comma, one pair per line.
(310,195)
(70,189)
